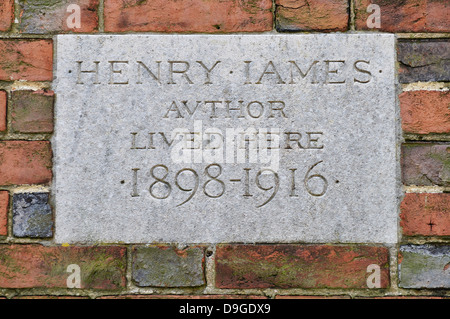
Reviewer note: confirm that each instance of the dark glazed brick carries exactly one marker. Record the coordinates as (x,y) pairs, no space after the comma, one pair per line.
(424,60)
(32,215)
(426,164)
(32,111)
(311,15)
(165,266)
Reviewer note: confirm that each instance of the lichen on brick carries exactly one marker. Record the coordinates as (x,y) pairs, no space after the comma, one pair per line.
(163,266)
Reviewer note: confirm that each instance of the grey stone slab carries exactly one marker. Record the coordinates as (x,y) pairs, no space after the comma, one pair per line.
(32,215)
(161,138)
(425,266)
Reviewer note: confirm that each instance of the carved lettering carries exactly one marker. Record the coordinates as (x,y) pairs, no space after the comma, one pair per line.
(141,65)
(95,72)
(173,108)
(208,71)
(332,68)
(181,72)
(303,75)
(273,71)
(113,71)
(357,68)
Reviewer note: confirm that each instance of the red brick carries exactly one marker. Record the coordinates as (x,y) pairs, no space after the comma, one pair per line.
(403,297)
(298,266)
(51,297)
(183,297)
(425,214)
(32,111)
(312,15)
(6,14)
(4,201)
(33,266)
(407,15)
(210,16)
(30,60)
(25,162)
(312,297)
(425,112)
(50,17)
(3,108)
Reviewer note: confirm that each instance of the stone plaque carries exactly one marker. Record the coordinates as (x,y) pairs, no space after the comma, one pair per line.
(226,138)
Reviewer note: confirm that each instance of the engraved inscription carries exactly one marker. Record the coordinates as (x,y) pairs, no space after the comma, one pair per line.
(182,72)
(225,138)
(213,186)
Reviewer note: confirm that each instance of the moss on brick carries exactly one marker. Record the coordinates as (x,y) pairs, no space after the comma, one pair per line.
(165,266)
(297,266)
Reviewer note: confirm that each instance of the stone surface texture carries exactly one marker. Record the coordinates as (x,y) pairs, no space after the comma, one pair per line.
(120,133)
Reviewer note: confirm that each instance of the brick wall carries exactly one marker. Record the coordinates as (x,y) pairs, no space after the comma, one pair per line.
(32,265)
